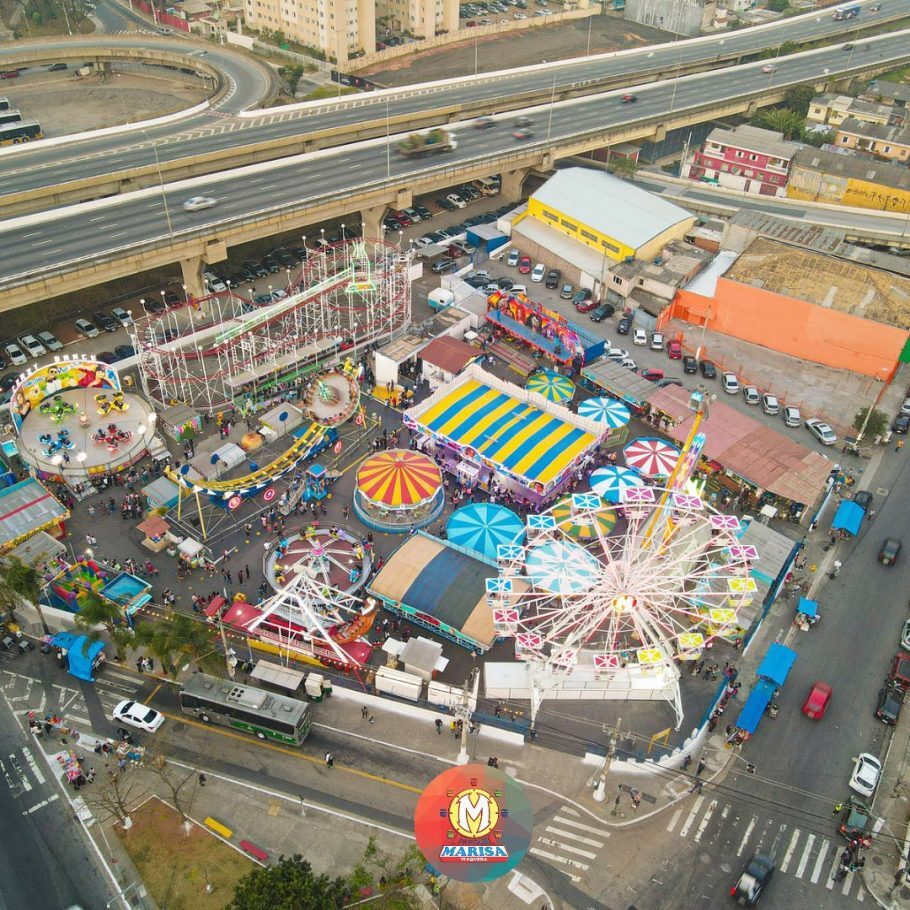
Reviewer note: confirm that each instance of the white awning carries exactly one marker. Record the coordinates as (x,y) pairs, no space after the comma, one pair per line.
(277,675)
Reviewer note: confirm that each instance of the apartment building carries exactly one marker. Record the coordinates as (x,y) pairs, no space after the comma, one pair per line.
(420,18)
(889,142)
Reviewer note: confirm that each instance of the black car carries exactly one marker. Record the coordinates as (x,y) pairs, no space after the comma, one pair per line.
(863,498)
(624,326)
(155,305)
(901,424)
(391,224)
(748,890)
(444,265)
(105,321)
(552,279)
(477,281)
(423,211)
(708,370)
(889,552)
(271,264)
(300,253)
(888,707)
(8,381)
(445,204)
(56,67)
(122,351)
(690,365)
(172,298)
(505,284)
(473,221)
(582,296)
(255,269)
(106,357)
(604,311)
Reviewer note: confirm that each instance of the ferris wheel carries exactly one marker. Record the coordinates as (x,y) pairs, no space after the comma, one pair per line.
(612,596)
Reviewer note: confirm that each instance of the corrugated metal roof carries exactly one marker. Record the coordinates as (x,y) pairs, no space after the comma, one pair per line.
(610,205)
(26,507)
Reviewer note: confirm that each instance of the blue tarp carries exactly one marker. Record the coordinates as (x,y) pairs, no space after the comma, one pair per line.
(81,653)
(807,607)
(849,517)
(755,705)
(776,664)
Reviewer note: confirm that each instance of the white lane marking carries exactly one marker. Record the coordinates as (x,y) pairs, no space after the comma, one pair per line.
(33,765)
(704,822)
(746,835)
(674,820)
(848,884)
(23,777)
(565,847)
(684,830)
(558,859)
(602,832)
(569,811)
(788,855)
(861,894)
(817,871)
(804,859)
(583,840)
(41,805)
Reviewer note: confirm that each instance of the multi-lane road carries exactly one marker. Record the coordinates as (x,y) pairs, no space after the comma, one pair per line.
(31,167)
(44,243)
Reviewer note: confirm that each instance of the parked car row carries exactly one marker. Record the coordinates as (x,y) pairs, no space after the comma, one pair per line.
(18,351)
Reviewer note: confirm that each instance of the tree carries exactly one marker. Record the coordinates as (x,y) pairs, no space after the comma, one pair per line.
(112,796)
(798,98)
(393,878)
(182,638)
(782,120)
(878,421)
(622,166)
(290,884)
(818,139)
(175,780)
(95,611)
(291,76)
(778,6)
(19,585)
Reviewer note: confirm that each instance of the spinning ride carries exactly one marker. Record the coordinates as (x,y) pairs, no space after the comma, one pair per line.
(210,351)
(336,559)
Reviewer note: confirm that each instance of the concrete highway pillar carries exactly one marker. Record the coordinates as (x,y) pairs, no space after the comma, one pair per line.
(659,134)
(192,276)
(512,182)
(371,220)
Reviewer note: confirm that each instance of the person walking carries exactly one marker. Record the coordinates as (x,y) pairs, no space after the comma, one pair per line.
(202,780)
(702,764)
(438,723)
(329,759)
(364,712)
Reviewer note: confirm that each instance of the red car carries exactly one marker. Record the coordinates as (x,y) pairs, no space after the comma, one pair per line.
(524,265)
(455,252)
(629,99)
(402,219)
(674,350)
(10,74)
(652,375)
(816,702)
(586,305)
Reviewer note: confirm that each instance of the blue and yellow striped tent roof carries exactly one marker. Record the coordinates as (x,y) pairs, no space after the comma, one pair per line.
(522,439)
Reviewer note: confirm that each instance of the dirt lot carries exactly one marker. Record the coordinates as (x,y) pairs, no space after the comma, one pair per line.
(519,48)
(67,105)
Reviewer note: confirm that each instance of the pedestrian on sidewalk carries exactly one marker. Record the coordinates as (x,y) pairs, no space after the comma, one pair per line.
(438,723)
(364,712)
(636,798)
(702,764)
(329,759)
(202,780)
(699,783)
(899,446)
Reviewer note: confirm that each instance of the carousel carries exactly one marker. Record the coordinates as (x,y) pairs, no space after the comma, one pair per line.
(73,420)
(398,491)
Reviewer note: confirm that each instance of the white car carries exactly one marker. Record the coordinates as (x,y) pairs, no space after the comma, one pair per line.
(770,404)
(792,417)
(421,242)
(198,203)
(905,636)
(617,354)
(867,770)
(905,407)
(751,394)
(212,280)
(768,68)
(628,363)
(821,431)
(138,715)
(730,383)
(33,346)
(456,200)
(86,329)
(121,316)
(539,271)
(657,341)
(14,354)
(464,246)
(640,337)
(512,259)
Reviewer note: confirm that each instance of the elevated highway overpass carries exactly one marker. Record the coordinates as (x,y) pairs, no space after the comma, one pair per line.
(37,178)
(46,254)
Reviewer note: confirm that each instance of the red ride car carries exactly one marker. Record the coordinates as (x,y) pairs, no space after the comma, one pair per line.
(817,700)
(524,265)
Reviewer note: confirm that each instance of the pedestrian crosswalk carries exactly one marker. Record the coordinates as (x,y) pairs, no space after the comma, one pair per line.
(570,840)
(21,773)
(808,856)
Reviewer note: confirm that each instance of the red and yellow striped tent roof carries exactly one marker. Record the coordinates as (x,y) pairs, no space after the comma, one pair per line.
(399,478)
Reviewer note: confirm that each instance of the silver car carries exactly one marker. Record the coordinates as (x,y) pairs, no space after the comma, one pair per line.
(792,417)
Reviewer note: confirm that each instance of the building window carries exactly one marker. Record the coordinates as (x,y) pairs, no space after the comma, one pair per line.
(588,235)
(552,216)
(609,246)
(617,279)
(569,225)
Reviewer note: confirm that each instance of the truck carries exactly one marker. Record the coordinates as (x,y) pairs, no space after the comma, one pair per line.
(846,12)
(417,145)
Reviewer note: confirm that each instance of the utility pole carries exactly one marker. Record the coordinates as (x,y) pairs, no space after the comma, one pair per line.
(463,713)
(228,651)
(600,791)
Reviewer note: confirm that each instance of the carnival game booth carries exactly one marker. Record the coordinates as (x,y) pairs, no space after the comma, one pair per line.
(74,421)
(543,329)
(439,586)
(487,432)
(26,508)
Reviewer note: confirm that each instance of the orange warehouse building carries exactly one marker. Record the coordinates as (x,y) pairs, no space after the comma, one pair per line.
(796,327)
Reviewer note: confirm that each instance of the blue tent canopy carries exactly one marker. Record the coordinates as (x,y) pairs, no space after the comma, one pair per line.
(807,607)
(81,653)
(849,517)
(776,664)
(754,707)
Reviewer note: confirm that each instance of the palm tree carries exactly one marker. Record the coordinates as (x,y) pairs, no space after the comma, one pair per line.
(95,611)
(20,584)
(783,120)
(184,639)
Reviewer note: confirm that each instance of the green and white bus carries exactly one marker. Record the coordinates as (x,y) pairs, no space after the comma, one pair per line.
(264,714)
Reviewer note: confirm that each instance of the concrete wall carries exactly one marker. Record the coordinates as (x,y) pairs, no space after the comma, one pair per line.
(683,17)
(816,187)
(794,327)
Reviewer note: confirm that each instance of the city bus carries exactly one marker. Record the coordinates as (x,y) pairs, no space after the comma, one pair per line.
(4,104)
(20,132)
(847,12)
(10,116)
(264,714)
